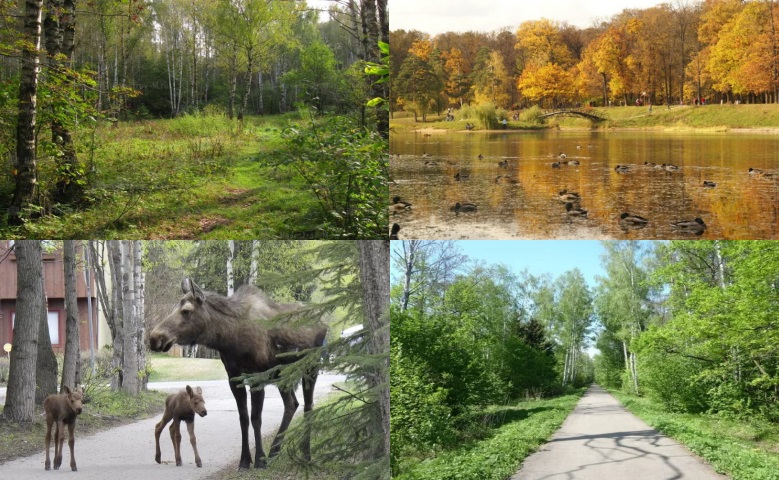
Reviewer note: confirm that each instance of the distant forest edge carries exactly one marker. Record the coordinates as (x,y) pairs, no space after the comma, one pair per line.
(693,53)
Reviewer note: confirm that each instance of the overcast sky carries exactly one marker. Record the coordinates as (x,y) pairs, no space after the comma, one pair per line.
(438,16)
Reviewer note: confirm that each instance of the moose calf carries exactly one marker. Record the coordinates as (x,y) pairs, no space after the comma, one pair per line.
(181,406)
(63,409)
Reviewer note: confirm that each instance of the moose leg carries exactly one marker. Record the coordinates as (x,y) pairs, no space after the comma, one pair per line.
(239,392)
(258,398)
(71,444)
(193,441)
(60,438)
(308,405)
(290,405)
(158,431)
(49,424)
(175,435)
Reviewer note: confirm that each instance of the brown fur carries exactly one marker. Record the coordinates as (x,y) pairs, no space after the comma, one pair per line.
(181,406)
(232,326)
(62,409)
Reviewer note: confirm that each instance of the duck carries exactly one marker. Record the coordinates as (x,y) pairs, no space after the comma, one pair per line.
(578,147)
(670,168)
(573,162)
(650,164)
(397,201)
(696,225)
(503,164)
(562,156)
(505,179)
(480,157)
(708,184)
(431,164)
(427,155)
(464,207)
(573,211)
(622,168)
(566,196)
(555,164)
(394,232)
(462,176)
(755,171)
(399,206)
(632,219)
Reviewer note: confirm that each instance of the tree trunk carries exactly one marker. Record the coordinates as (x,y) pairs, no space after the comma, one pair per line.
(130,382)
(229,267)
(249,78)
(20,396)
(71,365)
(374,278)
(139,312)
(115,266)
(25,165)
(60,27)
(46,366)
(254,265)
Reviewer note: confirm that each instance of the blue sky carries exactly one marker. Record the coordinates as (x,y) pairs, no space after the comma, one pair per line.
(438,16)
(540,256)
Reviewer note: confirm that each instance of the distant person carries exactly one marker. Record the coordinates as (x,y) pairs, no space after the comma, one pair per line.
(505,123)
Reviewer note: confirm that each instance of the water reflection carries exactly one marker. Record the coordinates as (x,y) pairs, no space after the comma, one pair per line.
(516,179)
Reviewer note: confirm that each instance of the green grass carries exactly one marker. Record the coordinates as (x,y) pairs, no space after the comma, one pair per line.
(102,411)
(165,368)
(522,428)
(203,177)
(744,449)
(708,117)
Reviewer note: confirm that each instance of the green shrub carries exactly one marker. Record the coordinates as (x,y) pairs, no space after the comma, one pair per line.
(533,115)
(4,365)
(490,116)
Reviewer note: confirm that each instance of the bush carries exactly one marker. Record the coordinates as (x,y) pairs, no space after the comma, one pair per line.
(5,363)
(490,116)
(533,116)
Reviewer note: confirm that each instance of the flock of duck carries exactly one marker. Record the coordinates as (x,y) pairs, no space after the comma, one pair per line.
(572,200)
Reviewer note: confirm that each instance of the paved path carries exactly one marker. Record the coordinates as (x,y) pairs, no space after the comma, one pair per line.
(127,452)
(601,440)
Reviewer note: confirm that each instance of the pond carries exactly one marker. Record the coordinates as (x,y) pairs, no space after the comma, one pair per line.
(511,178)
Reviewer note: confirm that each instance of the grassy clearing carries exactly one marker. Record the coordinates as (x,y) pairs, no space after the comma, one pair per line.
(516,431)
(204,177)
(744,449)
(165,368)
(103,410)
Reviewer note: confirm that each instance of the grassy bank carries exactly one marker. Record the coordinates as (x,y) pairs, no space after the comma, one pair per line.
(203,177)
(708,117)
(102,411)
(515,431)
(744,449)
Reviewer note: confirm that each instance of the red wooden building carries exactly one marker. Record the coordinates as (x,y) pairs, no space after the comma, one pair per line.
(54,286)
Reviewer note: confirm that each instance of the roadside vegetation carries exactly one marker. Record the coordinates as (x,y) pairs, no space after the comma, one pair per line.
(484,365)
(742,448)
(165,368)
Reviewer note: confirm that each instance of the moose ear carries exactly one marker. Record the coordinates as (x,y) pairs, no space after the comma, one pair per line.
(66,389)
(199,390)
(189,390)
(197,292)
(185,286)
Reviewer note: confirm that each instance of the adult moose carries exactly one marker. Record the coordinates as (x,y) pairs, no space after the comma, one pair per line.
(232,326)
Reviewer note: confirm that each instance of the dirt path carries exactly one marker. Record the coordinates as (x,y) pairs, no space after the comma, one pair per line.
(601,440)
(127,452)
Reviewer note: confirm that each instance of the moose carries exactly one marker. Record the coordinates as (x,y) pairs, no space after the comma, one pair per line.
(181,406)
(63,409)
(233,326)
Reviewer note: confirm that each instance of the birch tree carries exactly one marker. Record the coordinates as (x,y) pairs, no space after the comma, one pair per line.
(71,365)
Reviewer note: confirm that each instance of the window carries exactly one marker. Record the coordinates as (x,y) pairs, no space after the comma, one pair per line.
(54,325)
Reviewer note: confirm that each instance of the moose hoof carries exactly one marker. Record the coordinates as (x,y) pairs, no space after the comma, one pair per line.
(73,467)
(178,463)
(261,463)
(199,463)
(158,459)
(47,466)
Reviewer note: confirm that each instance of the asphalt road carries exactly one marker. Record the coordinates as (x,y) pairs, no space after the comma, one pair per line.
(127,452)
(601,440)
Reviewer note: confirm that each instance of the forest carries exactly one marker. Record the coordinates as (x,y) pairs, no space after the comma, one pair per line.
(190,119)
(340,284)
(681,52)
(682,332)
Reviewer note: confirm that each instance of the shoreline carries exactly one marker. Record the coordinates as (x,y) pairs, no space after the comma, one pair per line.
(667,129)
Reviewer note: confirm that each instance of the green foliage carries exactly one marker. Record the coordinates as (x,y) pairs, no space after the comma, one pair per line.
(521,428)
(489,116)
(532,115)
(346,168)
(4,367)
